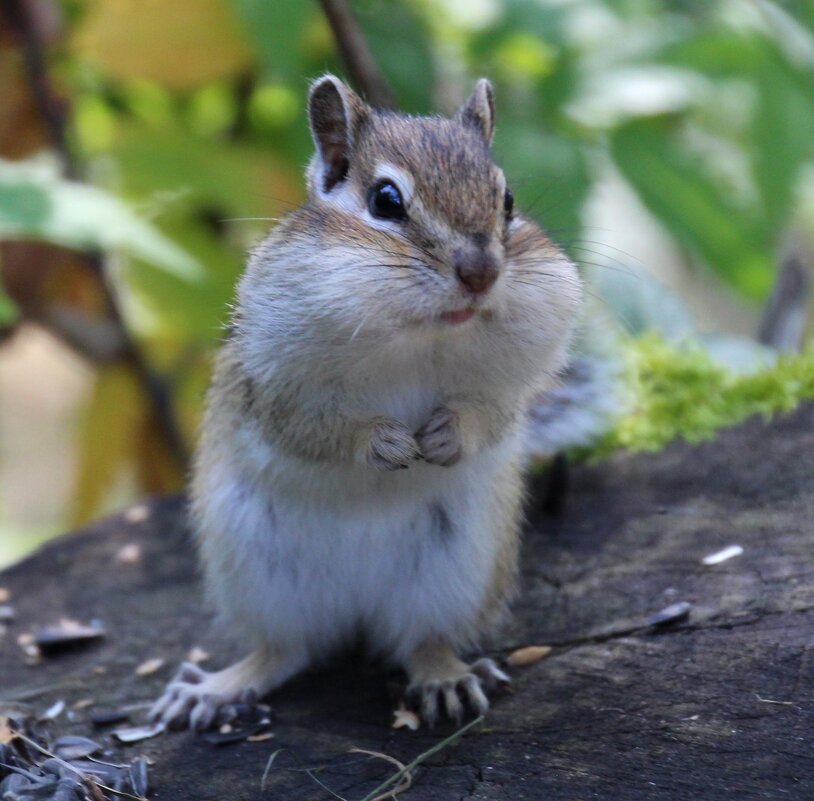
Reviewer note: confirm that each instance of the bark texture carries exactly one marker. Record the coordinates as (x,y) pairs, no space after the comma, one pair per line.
(717,706)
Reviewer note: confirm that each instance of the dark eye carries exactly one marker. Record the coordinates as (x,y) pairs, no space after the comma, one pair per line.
(508,204)
(385,202)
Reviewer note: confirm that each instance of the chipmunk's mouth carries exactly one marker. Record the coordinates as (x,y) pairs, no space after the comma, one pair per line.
(459,316)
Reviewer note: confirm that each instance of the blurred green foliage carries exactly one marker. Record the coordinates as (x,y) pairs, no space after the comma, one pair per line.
(36,203)
(188,119)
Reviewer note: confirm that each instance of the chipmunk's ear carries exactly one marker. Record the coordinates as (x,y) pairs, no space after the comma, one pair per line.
(479,110)
(335,112)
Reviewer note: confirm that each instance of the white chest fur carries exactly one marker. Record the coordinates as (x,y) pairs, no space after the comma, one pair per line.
(321,553)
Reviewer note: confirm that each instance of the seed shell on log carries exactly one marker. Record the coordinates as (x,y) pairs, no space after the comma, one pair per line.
(73,747)
(135,734)
(52,640)
(671,614)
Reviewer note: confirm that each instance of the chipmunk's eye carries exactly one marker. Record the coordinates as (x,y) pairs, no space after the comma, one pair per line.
(508,204)
(385,202)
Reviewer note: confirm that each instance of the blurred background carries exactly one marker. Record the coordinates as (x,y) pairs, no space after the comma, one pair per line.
(145,145)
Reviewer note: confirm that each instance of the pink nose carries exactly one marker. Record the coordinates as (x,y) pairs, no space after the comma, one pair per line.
(476,271)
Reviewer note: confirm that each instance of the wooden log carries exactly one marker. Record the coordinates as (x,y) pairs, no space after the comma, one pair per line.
(717,705)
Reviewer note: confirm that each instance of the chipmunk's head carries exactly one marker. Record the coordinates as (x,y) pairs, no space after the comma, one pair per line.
(421,196)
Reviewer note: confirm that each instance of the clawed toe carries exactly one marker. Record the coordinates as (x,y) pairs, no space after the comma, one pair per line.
(491,676)
(453,698)
(189,701)
(203,713)
(190,673)
(439,438)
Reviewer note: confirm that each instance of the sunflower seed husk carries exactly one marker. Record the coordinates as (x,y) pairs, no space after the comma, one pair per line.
(671,614)
(72,747)
(134,734)
(66,636)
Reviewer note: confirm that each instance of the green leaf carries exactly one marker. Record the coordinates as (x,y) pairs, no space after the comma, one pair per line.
(780,134)
(22,206)
(36,203)
(227,179)
(187,312)
(696,210)
(783,131)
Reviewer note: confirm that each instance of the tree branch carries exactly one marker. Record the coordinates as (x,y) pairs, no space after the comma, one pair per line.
(361,65)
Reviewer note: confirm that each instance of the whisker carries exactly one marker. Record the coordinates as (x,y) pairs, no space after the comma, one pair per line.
(284,201)
(250,219)
(577,243)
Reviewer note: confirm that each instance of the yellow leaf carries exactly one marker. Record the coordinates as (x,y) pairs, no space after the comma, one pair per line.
(110,438)
(177,43)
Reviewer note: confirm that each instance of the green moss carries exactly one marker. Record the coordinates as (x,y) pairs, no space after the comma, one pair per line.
(680,392)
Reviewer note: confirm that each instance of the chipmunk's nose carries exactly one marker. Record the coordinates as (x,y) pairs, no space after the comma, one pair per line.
(476,270)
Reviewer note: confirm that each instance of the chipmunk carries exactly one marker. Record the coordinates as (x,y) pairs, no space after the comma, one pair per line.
(360,466)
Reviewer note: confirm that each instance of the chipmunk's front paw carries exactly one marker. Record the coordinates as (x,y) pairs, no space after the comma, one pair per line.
(440,438)
(391,446)
(457,692)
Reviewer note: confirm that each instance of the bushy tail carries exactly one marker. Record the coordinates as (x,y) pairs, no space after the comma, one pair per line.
(587,401)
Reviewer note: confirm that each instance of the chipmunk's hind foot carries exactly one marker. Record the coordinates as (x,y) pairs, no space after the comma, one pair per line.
(194,698)
(441,685)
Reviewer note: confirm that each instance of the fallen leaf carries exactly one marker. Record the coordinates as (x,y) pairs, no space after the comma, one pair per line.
(83,703)
(528,655)
(5,595)
(150,666)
